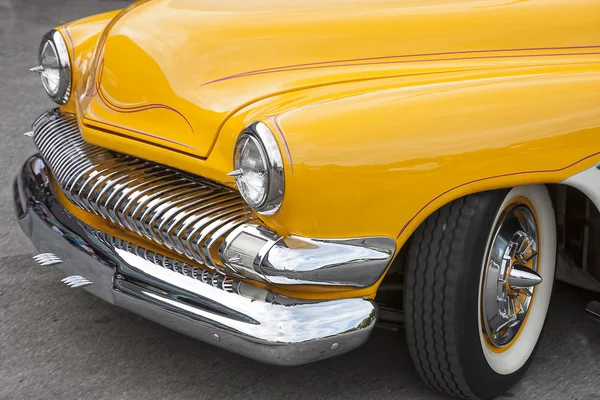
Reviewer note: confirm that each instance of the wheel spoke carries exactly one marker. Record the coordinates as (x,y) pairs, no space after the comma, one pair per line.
(521,220)
(526,291)
(531,256)
(501,327)
(522,307)
(514,323)
(526,252)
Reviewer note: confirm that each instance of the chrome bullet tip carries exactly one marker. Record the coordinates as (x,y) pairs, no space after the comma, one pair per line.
(236,173)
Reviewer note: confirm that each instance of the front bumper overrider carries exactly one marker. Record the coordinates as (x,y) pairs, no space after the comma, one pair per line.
(230,314)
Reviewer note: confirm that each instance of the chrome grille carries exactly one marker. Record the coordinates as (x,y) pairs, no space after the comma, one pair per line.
(187,214)
(210,278)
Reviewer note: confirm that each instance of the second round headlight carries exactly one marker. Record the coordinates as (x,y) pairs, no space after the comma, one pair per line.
(259,169)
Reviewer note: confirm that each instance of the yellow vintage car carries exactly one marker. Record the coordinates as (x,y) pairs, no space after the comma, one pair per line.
(275,177)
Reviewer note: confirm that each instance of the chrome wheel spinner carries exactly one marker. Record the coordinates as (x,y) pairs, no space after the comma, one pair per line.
(510,275)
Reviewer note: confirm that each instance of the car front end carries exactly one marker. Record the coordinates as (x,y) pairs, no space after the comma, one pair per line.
(256,174)
(184,250)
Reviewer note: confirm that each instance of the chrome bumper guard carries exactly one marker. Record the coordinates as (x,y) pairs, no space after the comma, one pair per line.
(230,314)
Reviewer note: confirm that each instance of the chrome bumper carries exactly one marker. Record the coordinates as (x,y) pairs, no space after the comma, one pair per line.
(254,323)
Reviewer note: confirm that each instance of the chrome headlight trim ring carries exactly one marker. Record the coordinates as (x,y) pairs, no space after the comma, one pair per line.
(59,46)
(275,186)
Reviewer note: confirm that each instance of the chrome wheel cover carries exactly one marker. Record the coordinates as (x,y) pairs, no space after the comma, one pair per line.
(510,275)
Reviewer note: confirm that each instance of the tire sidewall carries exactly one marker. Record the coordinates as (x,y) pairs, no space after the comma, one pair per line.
(489,374)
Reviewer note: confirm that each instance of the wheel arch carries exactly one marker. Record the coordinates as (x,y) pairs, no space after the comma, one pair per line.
(575,176)
(577,223)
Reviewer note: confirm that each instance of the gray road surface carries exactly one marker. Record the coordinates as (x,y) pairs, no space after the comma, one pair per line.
(60,343)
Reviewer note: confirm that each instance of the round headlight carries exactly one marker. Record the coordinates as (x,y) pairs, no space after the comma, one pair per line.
(259,169)
(55,67)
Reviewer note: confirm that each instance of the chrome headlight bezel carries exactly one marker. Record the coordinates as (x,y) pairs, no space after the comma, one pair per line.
(263,138)
(57,44)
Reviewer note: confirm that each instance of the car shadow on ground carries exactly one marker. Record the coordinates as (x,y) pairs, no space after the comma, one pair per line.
(67,343)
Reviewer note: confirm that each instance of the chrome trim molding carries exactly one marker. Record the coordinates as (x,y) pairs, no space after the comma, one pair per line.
(265,141)
(47,259)
(55,39)
(76,281)
(277,329)
(198,218)
(295,260)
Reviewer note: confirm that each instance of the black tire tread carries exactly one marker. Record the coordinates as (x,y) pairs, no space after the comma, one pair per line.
(432,272)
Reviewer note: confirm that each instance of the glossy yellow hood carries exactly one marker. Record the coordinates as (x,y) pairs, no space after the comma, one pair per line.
(170,72)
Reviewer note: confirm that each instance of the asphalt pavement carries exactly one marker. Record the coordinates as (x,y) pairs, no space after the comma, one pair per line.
(62,343)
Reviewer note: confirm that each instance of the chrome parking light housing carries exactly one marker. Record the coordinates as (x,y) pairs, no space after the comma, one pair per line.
(255,252)
(259,169)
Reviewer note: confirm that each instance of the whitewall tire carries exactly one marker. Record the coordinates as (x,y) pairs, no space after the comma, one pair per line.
(479,278)
(513,357)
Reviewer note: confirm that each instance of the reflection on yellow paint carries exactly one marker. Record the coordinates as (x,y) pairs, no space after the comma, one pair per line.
(384,110)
